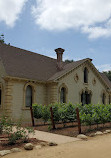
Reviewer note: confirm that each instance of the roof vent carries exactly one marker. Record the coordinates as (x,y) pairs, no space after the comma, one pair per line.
(59,52)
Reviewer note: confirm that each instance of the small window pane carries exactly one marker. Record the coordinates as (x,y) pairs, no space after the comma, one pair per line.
(63,95)
(103,98)
(85,98)
(28,96)
(109,99)
(85,75)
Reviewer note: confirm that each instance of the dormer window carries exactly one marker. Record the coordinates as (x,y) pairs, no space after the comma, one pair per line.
(85,75)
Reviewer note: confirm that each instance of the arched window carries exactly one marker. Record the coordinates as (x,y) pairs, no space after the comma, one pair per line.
(0,98)
(28,97)
(103,98)
(85,98)
(109,99)
(63,95)
(85,75)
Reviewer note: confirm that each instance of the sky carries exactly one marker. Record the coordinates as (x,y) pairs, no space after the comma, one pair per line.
(82,28)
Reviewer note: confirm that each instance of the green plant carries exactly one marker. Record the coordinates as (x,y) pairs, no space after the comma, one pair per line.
(45,113)
(37,110)
(15,131)
(89,114)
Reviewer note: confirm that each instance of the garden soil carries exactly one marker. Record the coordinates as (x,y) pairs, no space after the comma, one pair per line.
(97,147)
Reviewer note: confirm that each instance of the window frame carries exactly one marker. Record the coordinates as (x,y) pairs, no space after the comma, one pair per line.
(28,96)
(109,99)
(85,97)
(63,95)
(63,85)
(85,75)
(24,107)
(103,98)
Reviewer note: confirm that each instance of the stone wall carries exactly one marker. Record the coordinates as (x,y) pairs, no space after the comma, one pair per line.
(74,81)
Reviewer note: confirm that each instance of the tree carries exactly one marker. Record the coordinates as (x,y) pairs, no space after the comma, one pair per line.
(69,61)
(108,74)
(2,39)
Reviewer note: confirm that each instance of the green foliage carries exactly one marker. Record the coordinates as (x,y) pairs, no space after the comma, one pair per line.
(45,113)
(16,132)
(95,114)
(89,114)
(69,61)
(41,111)
(2,38)
(37,109)
(108,74)
(2,41)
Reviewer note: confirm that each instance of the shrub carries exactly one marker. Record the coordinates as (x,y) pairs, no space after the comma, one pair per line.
(37,109)
(89,114)
(16,132)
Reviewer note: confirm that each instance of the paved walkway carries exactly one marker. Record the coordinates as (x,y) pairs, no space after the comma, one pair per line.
(50,137)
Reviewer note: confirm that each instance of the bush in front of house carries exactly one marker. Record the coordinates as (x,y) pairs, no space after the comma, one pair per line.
(14,131)
(89,114)
(61,112)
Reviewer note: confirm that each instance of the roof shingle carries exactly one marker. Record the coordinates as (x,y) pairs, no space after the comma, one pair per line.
(25,64)
(106,79)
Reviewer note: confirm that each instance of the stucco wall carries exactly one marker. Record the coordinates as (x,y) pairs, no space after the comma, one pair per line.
(75,87)
(14,91)
(19,109)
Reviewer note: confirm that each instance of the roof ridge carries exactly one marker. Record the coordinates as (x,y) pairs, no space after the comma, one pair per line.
(28,51)
(69,69)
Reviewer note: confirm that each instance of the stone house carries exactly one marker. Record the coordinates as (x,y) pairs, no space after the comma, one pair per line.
(27,78)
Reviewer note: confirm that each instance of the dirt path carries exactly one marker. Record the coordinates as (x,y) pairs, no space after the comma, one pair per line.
(98,147)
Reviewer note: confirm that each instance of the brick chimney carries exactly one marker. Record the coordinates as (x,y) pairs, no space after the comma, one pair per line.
(59,52)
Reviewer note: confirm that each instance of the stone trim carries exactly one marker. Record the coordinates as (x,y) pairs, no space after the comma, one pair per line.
(85,66)
(8,98)
(33,94)
(59,90)
(10,78)
(76,77)
(70,71)
(2,94)
(95,71)
(83,91)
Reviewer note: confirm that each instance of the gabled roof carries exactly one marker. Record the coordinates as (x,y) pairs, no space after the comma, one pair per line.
(25,64)
(28,65)
(67,68)
(106,79)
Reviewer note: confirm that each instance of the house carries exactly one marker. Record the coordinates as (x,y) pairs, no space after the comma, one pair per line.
(27,78)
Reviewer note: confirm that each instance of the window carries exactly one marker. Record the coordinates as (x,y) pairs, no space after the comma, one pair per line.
(63,95)
(103,98)
(28,98)
(85,75)
(109,99)
(85,98)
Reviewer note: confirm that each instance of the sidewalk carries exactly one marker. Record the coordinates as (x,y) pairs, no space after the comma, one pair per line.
(50,137)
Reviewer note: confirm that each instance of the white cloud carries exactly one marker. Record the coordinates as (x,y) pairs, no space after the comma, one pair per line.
(10,10)
(90,16)
(105,67)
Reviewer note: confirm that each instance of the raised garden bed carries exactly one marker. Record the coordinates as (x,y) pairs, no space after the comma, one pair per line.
(20,144)
(71,129)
